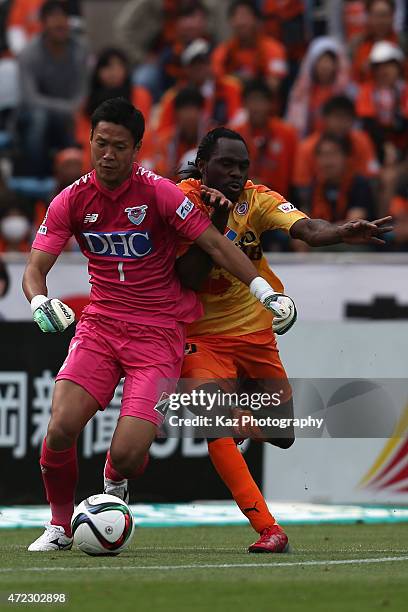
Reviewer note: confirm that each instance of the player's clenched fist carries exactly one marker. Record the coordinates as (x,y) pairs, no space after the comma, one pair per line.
(281,306)
(51,315)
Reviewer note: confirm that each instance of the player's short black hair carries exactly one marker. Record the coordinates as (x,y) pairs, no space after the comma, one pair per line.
(249,4)
(121,112)
(207,146)
(339,104)
(53,6)
(343,143)
(257,86)
(188,96)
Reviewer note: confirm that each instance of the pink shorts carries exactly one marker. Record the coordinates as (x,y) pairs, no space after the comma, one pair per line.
(104,350)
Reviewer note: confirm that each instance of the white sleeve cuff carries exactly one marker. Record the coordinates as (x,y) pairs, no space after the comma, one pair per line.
(37,301)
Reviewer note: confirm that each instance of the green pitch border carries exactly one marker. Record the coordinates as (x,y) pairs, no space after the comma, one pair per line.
(195,514)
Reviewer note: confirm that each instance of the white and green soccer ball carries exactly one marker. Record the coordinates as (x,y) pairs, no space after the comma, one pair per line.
(102,525)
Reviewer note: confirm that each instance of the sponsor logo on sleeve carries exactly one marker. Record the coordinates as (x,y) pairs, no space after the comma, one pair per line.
(42,230)
(185,208)
(287,207)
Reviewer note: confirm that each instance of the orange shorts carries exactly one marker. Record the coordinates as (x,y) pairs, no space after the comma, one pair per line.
(252,356)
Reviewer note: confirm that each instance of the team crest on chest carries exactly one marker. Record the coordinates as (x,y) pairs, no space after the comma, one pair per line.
(136,214)
(242,208)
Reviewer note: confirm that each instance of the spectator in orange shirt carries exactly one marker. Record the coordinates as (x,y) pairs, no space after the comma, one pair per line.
(338,120)
(338,194)
(222,95)
(271,142)
(324,73)
(284,20)
(249,54)
(380,26)
(382,103)
(191,23)
(168,148)
(111,78)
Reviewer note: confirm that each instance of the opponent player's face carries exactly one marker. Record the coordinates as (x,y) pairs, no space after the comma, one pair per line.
(112,151)
(227,170)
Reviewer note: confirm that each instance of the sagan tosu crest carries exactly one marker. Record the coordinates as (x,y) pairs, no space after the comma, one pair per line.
(136,214)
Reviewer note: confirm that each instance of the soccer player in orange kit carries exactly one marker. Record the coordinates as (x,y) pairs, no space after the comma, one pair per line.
(233,341)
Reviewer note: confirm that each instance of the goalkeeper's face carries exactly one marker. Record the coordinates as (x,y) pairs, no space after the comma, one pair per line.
(113,151)
(227,169)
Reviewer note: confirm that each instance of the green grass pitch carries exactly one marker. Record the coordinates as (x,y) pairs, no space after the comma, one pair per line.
(207,568)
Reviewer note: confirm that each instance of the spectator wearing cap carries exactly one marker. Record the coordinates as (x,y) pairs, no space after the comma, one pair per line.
(338,193)
(166,149)
(324,73)
(53,82)
(382,103)
(191,23)
(222,95)
(249,53)
(161,25)
(271,142)
(379,27)
(338,120)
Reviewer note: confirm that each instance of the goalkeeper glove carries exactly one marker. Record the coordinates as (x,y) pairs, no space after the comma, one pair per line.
(281,306)
(51,315)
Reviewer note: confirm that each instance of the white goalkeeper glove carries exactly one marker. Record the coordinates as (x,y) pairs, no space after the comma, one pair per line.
(51,315)
(281,306)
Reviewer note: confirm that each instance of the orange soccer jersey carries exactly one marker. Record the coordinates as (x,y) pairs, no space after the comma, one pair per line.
(230,309)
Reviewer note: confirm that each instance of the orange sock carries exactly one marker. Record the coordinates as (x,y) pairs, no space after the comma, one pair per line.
(233,470)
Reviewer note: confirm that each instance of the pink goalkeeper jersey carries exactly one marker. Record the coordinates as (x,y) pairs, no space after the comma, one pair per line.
(129,236)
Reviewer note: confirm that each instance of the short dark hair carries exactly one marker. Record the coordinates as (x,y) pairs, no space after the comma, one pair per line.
(207,146)
(188,96)
(249,4)
(189,7)
(53,6)
(257,86)
(121,112)
(344,144)
(337,104)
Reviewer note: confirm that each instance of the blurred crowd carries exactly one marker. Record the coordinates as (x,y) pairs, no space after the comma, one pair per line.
(318,89)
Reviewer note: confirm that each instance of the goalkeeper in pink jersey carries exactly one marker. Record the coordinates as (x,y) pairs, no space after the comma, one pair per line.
(126,220)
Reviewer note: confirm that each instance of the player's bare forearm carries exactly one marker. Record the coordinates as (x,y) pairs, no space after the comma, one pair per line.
(225,254)
(195,265)
(35,274)
(317,232)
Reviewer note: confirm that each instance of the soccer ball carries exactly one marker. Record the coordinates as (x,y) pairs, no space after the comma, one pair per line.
(102,525)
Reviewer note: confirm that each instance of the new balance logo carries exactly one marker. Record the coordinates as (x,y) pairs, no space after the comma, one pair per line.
(91,218)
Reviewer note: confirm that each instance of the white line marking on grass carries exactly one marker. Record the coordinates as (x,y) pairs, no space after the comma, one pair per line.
(204,565)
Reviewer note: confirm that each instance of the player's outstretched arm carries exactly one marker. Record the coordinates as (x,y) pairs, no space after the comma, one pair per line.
(51,315)
(224,253)
(316,232)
